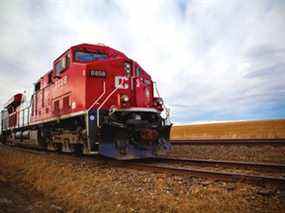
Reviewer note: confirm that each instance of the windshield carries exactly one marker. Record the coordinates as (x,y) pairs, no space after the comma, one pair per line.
(86,56)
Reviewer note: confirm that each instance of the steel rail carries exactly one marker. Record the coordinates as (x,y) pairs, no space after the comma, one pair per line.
(225,163)
(226,176)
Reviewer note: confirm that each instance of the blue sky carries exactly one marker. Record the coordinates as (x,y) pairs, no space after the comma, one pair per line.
(213,60)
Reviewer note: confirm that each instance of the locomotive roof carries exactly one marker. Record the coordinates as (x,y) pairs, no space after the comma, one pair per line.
(102,47)
(15,100)
(94,47)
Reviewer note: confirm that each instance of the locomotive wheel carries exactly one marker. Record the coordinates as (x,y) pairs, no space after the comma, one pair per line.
(122,146)
(121,141)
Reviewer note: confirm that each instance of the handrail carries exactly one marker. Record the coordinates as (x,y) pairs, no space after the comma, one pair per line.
(102,94)
(155,86)
(163,105)
(102,104)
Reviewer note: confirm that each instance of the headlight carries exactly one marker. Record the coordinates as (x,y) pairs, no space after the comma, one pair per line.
(125,98)
(127,68)
(137,117)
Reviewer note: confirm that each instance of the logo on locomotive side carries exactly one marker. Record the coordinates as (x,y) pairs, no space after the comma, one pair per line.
(121,82)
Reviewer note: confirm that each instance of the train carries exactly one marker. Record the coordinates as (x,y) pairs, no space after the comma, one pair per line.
(94,100)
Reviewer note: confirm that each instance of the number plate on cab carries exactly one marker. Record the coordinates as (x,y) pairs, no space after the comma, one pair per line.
(97,73)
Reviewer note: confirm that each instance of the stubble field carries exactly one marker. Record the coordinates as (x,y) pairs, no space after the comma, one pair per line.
(230,130)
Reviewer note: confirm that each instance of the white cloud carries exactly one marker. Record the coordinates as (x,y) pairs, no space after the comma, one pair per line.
(200,52)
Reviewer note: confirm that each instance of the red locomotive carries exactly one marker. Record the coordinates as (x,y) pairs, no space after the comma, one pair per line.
(94,100)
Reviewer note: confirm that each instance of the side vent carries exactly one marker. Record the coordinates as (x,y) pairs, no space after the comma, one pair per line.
(56,109)
(66,104)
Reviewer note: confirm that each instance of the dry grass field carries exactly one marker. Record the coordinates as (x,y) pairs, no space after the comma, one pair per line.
(231,130)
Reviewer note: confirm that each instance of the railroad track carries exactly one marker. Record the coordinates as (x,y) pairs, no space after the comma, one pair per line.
(216,175)
(260,179)
(229,142)
(224,163)
(204,173)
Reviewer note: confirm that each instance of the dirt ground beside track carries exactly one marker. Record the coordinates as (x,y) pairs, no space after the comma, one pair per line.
(52,183)
(256,153)
(16,197)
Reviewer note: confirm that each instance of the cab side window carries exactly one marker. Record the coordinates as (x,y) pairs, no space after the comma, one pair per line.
(37,86)
(67,58)
(62,64)
(138,71)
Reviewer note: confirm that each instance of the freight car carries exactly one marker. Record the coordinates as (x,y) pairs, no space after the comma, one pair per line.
(94,100)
